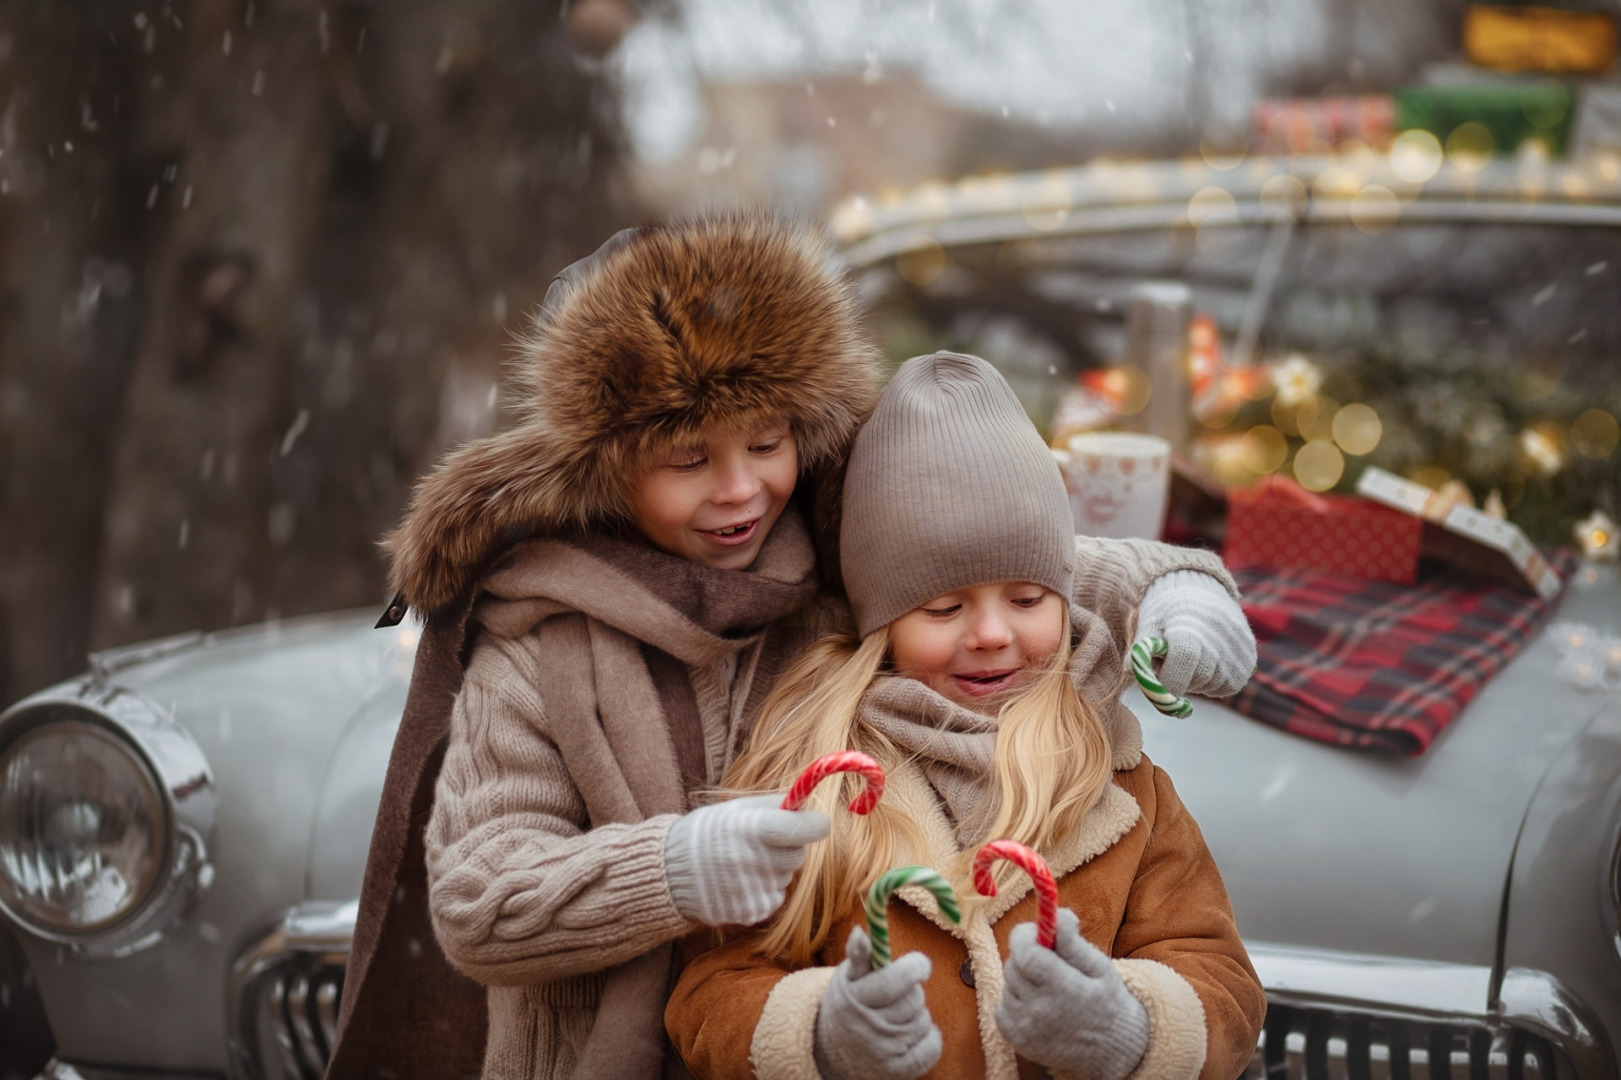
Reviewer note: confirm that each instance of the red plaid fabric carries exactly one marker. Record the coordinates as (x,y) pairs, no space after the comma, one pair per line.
(1376,665)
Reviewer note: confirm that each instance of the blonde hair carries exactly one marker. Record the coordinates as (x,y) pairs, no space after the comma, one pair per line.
(1051,763)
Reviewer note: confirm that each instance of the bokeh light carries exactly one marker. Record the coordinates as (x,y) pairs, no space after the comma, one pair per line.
(1416,156)
(1356,428)
(1264,449)
(1374,209)
(1336,182)
(1319,465)
(1545,104)
(1316,417)
(1541,448)
(1595,433)
(1283,190)
(1212,204)
(1470,146)
(922,265)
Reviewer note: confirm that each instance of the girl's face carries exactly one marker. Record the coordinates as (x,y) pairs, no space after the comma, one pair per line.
(715,500)
(972,645)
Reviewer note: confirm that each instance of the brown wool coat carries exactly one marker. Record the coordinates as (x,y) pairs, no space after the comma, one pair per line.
(1137,873)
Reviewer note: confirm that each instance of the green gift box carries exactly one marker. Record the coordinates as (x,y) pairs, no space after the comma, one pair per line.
(1511,112)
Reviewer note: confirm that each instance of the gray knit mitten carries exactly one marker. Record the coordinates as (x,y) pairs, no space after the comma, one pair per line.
(730,863)
(1210,649)
(1067,1008)
(875,1023)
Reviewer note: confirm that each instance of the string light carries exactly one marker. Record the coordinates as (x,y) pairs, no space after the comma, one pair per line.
(1598,536)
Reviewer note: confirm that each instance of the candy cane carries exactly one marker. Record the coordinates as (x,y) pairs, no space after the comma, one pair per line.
(1032,864)
(878,904)
(843,761)
(1142,666)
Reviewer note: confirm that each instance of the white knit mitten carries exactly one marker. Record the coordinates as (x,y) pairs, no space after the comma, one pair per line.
(730,863)
(1067,1007)
(1210,649)
(875,1025)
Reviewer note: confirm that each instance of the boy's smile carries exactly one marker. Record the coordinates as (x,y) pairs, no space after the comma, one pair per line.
(973,645)
(715,500)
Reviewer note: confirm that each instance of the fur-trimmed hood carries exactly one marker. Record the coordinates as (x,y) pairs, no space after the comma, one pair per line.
(663,332)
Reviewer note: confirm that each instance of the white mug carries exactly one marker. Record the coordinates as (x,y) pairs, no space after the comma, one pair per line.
(1119,483)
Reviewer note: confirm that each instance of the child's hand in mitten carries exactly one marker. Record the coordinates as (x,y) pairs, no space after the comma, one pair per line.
(730,863)
(1210,649)
(874,1023)
(1067,1008)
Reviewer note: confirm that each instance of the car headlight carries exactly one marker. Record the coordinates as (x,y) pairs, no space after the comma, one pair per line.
(106,804)
(81,827)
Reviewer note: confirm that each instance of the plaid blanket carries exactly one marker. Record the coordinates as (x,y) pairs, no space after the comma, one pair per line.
(1376,665)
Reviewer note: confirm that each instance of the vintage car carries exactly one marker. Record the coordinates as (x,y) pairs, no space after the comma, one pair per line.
(183,828)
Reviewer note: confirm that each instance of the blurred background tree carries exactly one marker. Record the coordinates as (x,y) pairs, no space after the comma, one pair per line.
(260,265)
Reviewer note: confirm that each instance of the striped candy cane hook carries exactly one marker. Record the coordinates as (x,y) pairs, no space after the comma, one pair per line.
(1142,666)
(877,907)
(842,761)
(1032,864)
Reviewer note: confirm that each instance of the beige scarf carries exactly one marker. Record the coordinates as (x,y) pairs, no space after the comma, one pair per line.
(952,744)
(620,622)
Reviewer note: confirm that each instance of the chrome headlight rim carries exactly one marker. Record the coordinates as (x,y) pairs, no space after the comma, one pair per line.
(184,786)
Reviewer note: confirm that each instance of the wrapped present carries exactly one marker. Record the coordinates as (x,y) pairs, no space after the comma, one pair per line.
(1510,112)
(1459,534)
(1304,125)
(1278,523)
(1544,39)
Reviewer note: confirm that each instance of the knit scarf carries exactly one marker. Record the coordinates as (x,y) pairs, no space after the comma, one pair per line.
(647,617)
(952,744)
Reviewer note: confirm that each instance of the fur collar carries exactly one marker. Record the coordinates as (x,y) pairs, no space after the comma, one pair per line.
(663,332)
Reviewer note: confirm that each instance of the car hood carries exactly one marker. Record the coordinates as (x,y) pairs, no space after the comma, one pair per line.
(1334,848)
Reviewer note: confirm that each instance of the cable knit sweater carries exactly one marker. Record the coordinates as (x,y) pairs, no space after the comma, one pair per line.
(532,899)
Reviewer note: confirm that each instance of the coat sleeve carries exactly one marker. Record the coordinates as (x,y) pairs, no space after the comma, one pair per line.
(1179,952)
(1111,575)
(735,1015)
(520,889)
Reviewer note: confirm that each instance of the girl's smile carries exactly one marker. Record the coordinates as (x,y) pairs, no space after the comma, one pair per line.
(973,645)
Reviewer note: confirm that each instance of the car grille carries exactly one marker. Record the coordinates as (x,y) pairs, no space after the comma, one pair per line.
(284,995)
(1322,1044)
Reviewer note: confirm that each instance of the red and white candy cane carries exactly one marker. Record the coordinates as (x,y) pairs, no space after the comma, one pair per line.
(843,761)
(1032,864)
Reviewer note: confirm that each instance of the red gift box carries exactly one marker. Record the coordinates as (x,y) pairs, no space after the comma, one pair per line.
(1279,523)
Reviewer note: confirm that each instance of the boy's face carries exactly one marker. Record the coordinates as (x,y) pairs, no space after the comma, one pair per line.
(974,645)
(714,500)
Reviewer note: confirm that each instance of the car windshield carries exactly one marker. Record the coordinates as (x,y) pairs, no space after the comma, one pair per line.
(1489,350)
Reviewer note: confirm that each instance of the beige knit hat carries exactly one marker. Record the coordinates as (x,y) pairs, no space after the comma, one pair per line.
(950,486)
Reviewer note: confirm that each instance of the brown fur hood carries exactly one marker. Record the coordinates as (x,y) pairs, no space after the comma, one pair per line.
(664,331)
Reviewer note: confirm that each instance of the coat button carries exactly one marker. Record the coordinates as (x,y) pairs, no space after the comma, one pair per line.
(967,973)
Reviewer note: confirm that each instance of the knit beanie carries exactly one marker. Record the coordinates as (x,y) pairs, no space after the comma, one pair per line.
(950,486)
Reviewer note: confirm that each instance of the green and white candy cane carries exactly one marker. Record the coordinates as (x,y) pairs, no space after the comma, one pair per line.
(878,904)
(1142,666)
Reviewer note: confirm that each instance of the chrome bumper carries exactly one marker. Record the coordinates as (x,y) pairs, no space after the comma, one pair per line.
(1330,1016)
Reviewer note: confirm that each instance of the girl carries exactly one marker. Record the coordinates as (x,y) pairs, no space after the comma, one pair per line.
(994,702)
